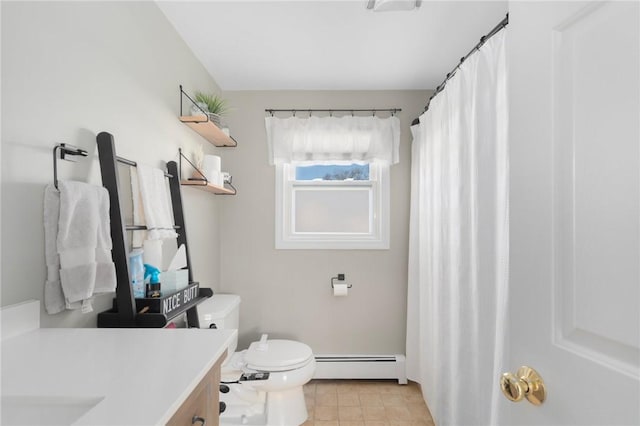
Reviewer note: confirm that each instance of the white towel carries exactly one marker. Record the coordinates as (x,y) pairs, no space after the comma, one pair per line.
(53,297)
(81,264)
(138,237)
(155,203)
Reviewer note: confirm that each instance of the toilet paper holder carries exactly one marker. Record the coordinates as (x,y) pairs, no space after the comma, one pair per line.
(340,277)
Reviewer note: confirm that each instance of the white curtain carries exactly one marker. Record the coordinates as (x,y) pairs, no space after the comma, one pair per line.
(321,139)
(459,242)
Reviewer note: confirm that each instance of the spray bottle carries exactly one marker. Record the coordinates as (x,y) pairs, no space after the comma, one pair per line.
(152,280)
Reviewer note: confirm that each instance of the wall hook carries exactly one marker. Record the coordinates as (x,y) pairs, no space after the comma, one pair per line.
(65,150)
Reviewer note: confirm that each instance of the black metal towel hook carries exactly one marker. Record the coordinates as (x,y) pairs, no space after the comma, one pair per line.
(65,150)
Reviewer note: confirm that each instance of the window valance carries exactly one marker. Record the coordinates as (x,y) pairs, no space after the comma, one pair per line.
(345,138)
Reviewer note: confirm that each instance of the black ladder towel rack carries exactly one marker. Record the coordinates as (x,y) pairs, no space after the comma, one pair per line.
(128,311)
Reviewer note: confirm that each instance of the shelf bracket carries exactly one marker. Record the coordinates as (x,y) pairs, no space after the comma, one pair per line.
(204,178)
(183,93)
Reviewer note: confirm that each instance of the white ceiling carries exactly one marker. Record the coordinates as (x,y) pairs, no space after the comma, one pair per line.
(330,44)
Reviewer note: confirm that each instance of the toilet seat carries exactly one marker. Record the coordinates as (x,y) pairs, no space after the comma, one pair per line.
(278,355)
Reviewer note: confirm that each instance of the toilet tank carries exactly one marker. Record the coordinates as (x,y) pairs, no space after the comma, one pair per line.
(221,311)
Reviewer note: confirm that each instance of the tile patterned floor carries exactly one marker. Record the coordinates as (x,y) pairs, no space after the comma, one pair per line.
(365,403)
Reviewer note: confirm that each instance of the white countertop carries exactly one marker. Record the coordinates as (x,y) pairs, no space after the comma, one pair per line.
(136,376)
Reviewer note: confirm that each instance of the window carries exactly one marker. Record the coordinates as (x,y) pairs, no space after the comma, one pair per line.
(332,180)
(333,172)
(332,206)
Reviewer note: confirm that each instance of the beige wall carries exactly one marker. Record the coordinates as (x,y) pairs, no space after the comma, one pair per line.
(287,292)
(69,71)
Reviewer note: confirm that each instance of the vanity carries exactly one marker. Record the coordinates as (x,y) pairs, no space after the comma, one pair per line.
(90,376)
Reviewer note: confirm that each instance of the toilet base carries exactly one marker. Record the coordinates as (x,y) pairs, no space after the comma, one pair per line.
(250,407)
(286,407)
(243,420)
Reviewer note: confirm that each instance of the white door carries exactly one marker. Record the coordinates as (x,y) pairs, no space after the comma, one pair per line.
(575,220)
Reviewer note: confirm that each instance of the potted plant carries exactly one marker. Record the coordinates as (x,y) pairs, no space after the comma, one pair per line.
(213,104)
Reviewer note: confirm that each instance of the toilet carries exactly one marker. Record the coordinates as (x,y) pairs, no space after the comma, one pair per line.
(275,401)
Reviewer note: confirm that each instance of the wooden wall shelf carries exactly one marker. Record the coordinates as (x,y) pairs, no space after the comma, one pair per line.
(207,186)
(205,128)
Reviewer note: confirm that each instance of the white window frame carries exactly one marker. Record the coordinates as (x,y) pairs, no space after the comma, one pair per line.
(376,239)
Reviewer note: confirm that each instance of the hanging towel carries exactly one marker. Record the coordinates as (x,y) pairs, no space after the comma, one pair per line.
(81,264)
(155,203)
(54,300)
(84,243)
(138,237)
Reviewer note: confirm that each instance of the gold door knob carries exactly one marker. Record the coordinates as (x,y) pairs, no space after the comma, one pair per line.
(526,383)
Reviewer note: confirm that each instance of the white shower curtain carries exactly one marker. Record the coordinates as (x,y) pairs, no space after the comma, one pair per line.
(459,242)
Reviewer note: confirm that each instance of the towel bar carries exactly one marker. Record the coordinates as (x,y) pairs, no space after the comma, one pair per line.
(134,164)
(65,149)
(70,150)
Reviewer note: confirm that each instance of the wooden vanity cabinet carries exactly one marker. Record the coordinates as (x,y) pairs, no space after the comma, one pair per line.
(203,404)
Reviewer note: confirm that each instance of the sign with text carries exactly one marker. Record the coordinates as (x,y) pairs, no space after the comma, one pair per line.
(171,303)
(180,299)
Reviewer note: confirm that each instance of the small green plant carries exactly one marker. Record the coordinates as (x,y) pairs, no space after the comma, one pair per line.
(215,104)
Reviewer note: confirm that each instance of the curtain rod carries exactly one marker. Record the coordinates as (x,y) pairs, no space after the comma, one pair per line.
(330,111)
(477,47)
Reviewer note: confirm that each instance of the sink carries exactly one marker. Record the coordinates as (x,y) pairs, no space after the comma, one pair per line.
(45,410)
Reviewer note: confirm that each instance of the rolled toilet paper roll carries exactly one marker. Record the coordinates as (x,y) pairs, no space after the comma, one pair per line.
(211,163)
(216,178)
(340,289)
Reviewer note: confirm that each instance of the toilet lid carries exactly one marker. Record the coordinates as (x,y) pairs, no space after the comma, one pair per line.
(280,355)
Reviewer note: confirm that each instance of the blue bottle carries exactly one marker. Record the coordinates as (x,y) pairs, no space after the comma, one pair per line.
(137,273)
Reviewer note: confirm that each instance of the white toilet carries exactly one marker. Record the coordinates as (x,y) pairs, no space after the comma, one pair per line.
(276,401)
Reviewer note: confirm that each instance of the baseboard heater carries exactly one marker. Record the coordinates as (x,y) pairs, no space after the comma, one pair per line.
(361,367)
